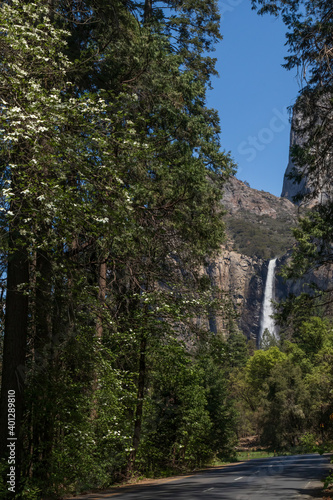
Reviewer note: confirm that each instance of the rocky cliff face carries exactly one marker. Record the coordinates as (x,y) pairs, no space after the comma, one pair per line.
(239,197)
(322,278)
(290,188)
(258,228)
(308,184)
(258,223)
(243,277)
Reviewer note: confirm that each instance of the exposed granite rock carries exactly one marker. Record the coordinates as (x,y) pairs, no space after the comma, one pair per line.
(290,188)
(258,223)
(242,277)
(322,278)
(314,188)
(254,218)
(238,197)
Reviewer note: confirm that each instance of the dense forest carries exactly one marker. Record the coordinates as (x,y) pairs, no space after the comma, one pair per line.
(112,175)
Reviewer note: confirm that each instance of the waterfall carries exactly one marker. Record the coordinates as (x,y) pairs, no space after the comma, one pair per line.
(267,309)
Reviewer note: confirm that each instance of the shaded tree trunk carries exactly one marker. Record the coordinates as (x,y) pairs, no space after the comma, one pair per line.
(43,307)
(43,360)
(148,10)
(101,297)
(102,269)
(139,406)
(15,344)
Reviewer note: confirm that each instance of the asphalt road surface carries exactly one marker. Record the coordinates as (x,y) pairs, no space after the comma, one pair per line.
(279,478)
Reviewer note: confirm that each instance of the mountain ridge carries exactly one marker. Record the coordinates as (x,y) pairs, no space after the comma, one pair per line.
(257,222)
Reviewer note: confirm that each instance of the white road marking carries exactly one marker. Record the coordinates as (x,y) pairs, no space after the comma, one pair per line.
(308,484)
(238,478)
(208,489)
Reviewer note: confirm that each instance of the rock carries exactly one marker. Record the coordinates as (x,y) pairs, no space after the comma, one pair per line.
(258,223)
(239,198)
(312,188)
(242,278)
(290,188)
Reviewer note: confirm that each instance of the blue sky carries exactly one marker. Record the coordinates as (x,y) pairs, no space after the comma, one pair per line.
(252,94)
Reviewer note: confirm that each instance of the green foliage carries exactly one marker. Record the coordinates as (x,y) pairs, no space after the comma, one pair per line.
(177,420)
(311,335)
(262,235)
(268,340)
(286,396)
(260,366)
(216,358)
(237,351)
(328,481)
(314,235)
(188,419)
(250,455)
(3,479)
(308,443)
(298,356)
(285,406)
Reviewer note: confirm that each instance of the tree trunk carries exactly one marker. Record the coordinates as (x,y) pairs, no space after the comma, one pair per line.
(139,407)
(43,419)
(15,343)
(148,10)
(43,312)
(101,298)
(102,268)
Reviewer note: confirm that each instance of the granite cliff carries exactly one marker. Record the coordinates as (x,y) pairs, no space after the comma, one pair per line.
(258,227)
(317,185)
(290,188)
(258,223)
(243,277)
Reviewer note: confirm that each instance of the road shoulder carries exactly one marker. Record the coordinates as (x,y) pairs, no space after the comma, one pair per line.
(121,488)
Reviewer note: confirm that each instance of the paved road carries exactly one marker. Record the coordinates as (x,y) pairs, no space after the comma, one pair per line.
(280,478)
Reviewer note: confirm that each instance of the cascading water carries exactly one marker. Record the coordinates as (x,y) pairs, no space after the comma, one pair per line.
(267,309)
